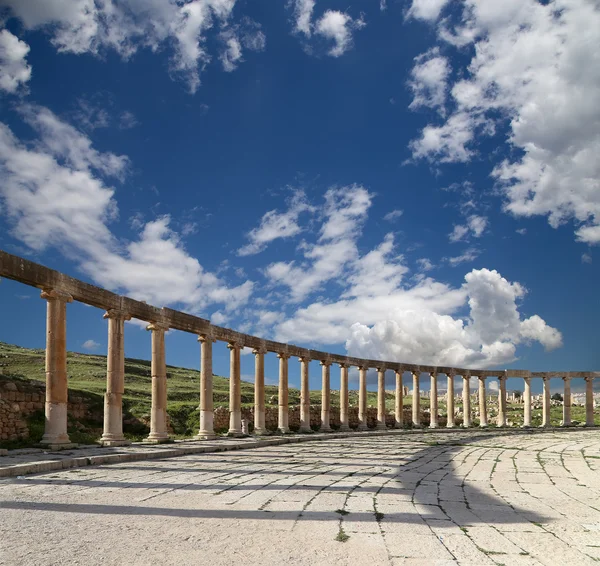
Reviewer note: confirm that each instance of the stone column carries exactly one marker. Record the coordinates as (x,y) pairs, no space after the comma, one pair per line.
(589,401)
(206,431)
(546,402)
(158,411)
(466,394)
(501,401)
(416,401)
(433,400)
(362,398)
(344,420)
(381,424)
(482,405)
(399,412)
(235,390)
(304,396)
(567,401)
(57,389)
(259,391)
(326,396)
(450,401)
(282,398)
(527,402)
(115,380)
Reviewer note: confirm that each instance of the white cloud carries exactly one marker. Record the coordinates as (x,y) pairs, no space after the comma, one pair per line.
(425,264)
(88,26)
(428,81)
(586,258)
(469,255)
(428,10)
(521,231)
(247,35)
(274,225)
(477,224)
(535,328)
(458,233)
(338,27)
(303,10)
(393,214)
(532,80)
(14,70)
(383,5)
(54,194)
(90,345)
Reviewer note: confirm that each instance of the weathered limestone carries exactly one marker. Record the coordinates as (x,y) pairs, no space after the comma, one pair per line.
(325,396)
(55,430)
(501,401)
(466,394)
(416,401)
(304,396)
(283,400)
(115,380)
(259,391)
(482,403)
(381,398)
(546,402)
(206,431)
(158,369)
(235,390)
(589,401)
(399,406)
(433,402)
(344,401)
(362,398)
(450,401)
(527,402)
(567,401)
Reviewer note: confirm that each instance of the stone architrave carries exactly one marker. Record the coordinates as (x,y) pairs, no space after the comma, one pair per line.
(115,380)
(399,401)
(326,396)
(416,401)
(433,402)
(466,395)
(450,401)
(304,395)
(589,401)
(283,399)
(527,402)
(362,398)
(259,391)
(235,390)
(344,418)
(501,401)
(546,402)
(207,416)
(57,391)
(567,401)
(381,424)
(158,369)
(482,403)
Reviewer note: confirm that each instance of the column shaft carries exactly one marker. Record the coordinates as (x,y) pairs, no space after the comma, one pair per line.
(57,392)
(381,424)
(527,402)
(416,401)
(259,392)
(501,401)
(282,399)
(466,394)
(235,391)
(589,401)
(115,380)
(158,369)
(546,403)
(362,398)
(567,402)
(304,396)
(344,419)
(482,403)
(325,397)
(450,401)
(206,431)
(399,408)
(433,400)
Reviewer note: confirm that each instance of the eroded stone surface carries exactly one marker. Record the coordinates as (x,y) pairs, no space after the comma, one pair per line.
(464,498)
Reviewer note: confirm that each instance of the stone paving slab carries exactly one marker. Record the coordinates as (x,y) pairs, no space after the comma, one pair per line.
(393,498)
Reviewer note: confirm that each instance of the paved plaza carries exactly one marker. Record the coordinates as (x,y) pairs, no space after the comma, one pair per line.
(493,497)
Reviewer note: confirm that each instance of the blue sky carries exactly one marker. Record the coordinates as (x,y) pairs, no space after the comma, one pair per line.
(415,180)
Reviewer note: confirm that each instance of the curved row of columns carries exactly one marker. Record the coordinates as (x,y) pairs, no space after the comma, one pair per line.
(57,389)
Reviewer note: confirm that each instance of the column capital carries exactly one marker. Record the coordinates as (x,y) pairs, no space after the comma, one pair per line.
(381,368)
(363,368)
(343,365)
(206,338)
(235,345)
(502,378)
(546,378)
(527,380)
(589,378)
(432,373)
(325,363)
(157,326)
(306,359)
(257,351)
(415,373)
(566,378)
(283,355)
(56,295)
(481,377)
(117,313)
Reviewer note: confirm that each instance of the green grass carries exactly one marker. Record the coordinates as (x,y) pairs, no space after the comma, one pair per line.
(341,536)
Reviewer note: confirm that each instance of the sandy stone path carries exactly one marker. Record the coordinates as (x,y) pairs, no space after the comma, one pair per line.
(467,498)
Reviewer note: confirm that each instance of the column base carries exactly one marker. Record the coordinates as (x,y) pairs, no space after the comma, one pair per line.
(466,425)
(345,428)
(381,426)
(123,442)
(526,426)
(59,446)
(433,425)
(284,430)
(235,434)
(592,425)
(305,430)
(328,429)
(483,425)
(157,438)
(205,435)
(261,431)
(362,426)
(450,425)
(56,440)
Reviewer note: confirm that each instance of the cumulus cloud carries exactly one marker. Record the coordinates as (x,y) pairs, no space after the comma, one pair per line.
(55,193)
(475,227)
(428,80)
(303,10)
(234,39)
(88,26)
(90,345)
(533,81)
(14,70)
(469,254)
(338,27)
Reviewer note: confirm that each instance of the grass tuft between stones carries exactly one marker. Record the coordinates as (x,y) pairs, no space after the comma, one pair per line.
(342,536)
(342,511)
